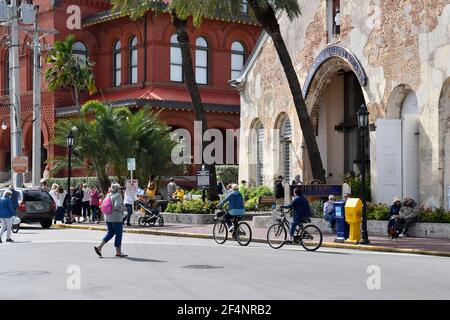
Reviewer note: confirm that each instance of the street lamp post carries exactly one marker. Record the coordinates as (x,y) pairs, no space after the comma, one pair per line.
(363,124)
(70,140)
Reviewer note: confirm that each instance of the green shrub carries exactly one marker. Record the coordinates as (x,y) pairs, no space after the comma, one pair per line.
(436,215)
(228,173)
(377,212)
(256,192)
(356,185)
(191,206)
(316,209)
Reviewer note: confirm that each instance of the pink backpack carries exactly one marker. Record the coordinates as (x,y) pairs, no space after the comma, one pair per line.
(106,207)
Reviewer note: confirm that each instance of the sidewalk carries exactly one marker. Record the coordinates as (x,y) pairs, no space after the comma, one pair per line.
(427,246)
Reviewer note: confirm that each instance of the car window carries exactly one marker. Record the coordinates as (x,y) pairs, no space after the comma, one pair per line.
(36,195)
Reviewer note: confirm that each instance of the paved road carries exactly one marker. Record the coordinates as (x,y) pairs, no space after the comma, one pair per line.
(42,262)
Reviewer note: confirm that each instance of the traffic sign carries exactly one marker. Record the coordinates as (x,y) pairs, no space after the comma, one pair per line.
(132,186)
(203,179)
(20,164)
(131,164)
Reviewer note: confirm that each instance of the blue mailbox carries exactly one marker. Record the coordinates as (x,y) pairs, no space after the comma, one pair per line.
(342,227)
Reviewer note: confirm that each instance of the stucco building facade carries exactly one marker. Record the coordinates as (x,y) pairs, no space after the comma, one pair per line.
(393,56)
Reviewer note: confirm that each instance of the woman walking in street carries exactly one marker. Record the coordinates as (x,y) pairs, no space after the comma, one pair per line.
(113,208)
(6,213)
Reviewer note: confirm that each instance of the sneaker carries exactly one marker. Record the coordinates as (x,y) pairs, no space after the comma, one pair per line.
(9,240)
(402,235)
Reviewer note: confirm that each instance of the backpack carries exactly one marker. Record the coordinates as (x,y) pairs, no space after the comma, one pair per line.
(106,206)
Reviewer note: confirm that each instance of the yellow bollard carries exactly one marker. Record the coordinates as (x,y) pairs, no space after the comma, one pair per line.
(353,216)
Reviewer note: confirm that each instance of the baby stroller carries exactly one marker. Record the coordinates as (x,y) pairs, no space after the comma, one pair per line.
(151,215)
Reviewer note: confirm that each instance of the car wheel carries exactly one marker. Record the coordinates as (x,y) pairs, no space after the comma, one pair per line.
(46,224)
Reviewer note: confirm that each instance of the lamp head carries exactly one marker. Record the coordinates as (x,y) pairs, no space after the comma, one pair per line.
(363,117)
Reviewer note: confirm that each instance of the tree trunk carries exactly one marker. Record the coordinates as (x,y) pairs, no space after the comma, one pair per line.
(76,92)
(189,74)
(266,17)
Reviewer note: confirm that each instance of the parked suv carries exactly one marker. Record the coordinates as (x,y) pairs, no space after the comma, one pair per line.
(35,205)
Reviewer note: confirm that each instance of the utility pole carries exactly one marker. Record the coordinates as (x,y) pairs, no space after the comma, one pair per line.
(37,71)
(16,125)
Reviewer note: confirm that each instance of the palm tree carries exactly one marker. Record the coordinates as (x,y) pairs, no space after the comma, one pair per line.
(138,8)
(114,134)
(69,70)
(264,12)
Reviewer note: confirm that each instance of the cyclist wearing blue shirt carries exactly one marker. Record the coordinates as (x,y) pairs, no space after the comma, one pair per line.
(300,211)
(236,202)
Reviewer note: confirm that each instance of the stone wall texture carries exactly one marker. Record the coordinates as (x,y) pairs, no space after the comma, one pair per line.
(399,43)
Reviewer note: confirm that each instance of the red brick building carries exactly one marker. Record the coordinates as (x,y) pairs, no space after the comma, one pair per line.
(137,63)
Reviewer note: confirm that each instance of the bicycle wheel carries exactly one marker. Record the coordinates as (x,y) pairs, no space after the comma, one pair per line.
(243,234)
(220,232)
(311,237)
(276,235)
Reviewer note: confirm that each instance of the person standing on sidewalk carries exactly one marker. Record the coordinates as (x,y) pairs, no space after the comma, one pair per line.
(60,209)
(151,188)
(76,202)
(279,191)
(6,213)
(114,221)
(86,203)
(129,202)
(171,188)
(94,202)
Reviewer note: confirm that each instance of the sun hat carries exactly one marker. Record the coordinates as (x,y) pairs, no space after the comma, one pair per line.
(115,187)
(396,198)
(235,187)
(331,197)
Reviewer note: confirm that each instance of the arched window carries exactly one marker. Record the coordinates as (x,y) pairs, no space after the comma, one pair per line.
(133,72)
(79,49)
(286,141)
(117,61)
(259,129)
(201,60)
(244,7)
(237,59)
(176,62)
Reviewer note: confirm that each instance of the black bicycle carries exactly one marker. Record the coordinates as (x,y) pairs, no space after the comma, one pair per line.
(307,234)
(241,231)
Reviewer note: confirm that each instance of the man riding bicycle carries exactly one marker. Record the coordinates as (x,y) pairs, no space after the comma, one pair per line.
(236,202)
(301,212)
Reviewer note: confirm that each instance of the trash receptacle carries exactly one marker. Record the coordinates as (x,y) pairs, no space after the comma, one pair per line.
(342,227)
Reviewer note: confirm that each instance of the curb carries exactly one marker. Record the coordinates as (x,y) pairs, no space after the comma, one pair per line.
(259,240)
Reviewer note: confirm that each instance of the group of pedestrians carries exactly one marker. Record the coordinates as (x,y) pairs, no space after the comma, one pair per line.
(82,201)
